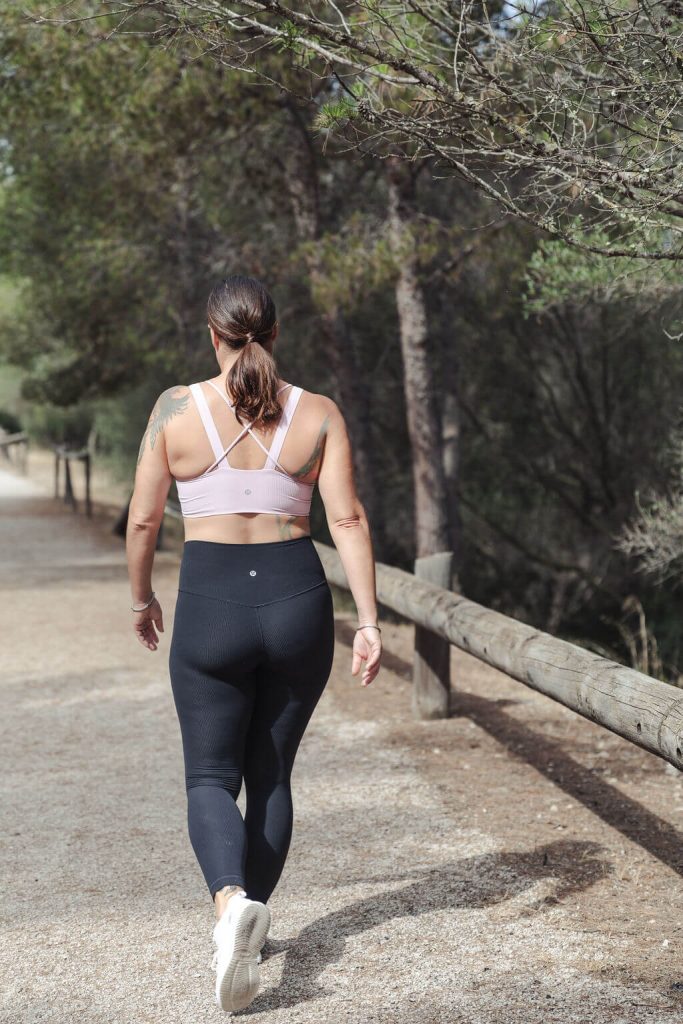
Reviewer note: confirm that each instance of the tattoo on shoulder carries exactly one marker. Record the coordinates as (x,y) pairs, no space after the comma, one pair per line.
(310,463)
(171,403)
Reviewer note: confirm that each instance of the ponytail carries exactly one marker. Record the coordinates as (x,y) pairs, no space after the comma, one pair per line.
(242,313)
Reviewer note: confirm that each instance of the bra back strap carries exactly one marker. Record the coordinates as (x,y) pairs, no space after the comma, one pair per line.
(282,427)
(207,419)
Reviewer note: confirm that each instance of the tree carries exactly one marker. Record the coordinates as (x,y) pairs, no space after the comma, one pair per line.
(124,198)
(566,114)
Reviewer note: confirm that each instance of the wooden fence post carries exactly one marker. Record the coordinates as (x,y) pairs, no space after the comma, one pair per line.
(88,499)
(69,496)
(432,656)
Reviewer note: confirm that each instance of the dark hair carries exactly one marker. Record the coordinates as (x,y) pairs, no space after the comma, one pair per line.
(242,313)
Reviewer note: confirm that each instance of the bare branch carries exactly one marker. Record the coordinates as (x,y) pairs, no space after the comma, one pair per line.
(566,115)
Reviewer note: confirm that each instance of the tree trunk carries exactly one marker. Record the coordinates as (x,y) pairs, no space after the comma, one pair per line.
(429,481)
(451,449)
(303,185)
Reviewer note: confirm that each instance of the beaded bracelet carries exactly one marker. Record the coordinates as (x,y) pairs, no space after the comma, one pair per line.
(141,608)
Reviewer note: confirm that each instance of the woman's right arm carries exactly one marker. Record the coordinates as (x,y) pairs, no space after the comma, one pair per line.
(350,532)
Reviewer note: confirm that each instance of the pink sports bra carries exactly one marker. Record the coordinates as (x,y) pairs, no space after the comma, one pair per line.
(221,489)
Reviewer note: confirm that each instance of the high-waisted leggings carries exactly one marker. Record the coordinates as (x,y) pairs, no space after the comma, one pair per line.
(250,654)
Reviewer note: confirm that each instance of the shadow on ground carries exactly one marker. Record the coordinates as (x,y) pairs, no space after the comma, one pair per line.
(619,811)
(473,883)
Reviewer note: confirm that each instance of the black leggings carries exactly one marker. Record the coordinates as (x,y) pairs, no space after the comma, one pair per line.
(250,654)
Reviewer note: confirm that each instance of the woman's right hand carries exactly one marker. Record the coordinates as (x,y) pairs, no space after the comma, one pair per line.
(144,623)
(367,646)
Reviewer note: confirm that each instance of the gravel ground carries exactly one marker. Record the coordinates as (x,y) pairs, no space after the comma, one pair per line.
(513,864)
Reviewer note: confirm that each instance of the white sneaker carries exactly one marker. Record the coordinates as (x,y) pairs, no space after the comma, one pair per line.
(239,936)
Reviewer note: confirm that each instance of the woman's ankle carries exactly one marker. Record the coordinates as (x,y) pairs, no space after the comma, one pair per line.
(223,896)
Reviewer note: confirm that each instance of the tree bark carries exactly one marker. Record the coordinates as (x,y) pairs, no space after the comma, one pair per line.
(432,532)
(450,432)
(301,167)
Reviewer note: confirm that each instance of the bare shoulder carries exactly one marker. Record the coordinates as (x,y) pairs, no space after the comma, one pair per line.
(324,412)
(323,404)
(175,392)
(172,402)
(318,420)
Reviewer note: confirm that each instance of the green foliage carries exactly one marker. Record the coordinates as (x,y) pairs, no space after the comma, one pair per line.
(117,428)
(357,260)
(10,423)
(287,40)
(50,424)
(558,273)
(335,113)
(120,205)
(353,262)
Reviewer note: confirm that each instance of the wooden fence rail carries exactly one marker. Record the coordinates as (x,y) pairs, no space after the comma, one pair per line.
(15,442)
(643,710)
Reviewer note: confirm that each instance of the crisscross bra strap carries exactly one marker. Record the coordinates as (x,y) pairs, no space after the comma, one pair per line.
(282,427)
(278,437)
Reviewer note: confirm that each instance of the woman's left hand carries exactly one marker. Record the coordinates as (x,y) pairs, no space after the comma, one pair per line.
(144,623)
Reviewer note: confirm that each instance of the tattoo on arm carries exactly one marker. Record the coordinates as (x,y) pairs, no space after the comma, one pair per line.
(172,402)
(310,463)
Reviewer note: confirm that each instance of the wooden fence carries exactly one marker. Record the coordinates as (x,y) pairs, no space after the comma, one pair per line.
(14,449)
(644,710)
(64,456)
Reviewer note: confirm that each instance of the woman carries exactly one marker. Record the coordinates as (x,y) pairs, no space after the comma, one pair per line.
(253,633)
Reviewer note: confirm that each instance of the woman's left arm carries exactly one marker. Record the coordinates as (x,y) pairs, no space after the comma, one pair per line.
(145,513)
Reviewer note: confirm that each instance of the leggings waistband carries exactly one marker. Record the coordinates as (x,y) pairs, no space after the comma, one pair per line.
(250,574)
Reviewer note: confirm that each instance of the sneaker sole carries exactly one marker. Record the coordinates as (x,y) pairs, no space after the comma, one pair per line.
(240,982)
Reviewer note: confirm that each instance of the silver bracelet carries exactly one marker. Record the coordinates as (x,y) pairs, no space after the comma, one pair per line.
(141,608)
(368,625)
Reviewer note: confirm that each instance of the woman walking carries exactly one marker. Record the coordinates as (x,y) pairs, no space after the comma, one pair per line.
(253,632)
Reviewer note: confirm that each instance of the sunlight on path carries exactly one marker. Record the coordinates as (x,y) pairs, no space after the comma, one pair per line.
(426,882)
(14,486)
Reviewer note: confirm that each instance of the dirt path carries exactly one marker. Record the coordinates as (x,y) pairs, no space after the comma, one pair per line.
(511,865)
